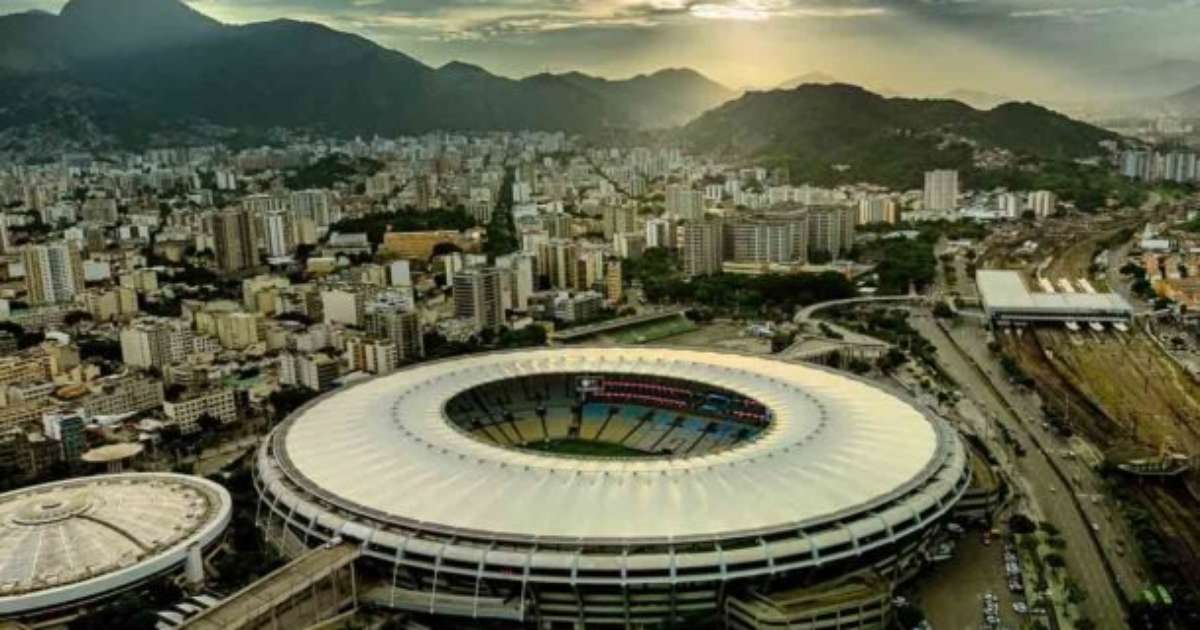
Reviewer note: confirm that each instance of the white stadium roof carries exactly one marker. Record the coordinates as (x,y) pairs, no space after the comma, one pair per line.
(73,540)
(837,446)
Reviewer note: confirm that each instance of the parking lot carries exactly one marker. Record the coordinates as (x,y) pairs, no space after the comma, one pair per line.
(954,593)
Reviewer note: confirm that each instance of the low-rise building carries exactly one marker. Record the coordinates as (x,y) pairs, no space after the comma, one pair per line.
(220,404)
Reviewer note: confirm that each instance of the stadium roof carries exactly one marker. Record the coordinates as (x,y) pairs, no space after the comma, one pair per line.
(73,540)
(837,446)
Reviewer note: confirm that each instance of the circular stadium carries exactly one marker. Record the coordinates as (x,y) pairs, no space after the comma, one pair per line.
(624,486)
(69,544)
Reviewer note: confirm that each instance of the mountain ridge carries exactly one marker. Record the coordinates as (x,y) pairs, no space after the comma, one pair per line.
(816,130)
(164,57)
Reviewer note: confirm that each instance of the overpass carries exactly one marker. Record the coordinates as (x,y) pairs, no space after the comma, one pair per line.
(310,589)
(807,312)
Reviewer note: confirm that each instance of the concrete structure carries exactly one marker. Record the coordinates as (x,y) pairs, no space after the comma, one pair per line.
(313,371)
(302,593)
(831,230)
(278,234)
(78,542)
(477,297)
(878,210)
(685,203)
(400,326)
(113,456)
(941,190)
(53,273)
(1006,299)
(768,239)
(826,479)
(703,248)
(220,404)
(233,241)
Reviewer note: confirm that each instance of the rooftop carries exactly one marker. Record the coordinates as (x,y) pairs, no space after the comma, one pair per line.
(58,535)
(836,446)
(1006,291)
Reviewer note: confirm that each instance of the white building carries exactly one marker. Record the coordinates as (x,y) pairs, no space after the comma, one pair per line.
(941,190)
(220,404)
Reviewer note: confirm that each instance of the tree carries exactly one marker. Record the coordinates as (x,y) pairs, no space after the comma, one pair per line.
(942,310)
(288,399)
(1021,524)
(74,318)
(208,423)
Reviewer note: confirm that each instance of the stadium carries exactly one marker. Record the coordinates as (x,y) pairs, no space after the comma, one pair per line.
(68,545)
(624,486)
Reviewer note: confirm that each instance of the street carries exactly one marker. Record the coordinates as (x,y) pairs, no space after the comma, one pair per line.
(1040,491)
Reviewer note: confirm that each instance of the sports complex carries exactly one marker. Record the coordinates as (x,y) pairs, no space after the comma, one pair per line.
(625,486)
(68,545)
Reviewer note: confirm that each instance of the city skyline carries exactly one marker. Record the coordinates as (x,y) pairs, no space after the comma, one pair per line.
(1049,49)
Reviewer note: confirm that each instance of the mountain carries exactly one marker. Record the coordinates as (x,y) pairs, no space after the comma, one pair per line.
(666,98)
(1154,80)
(1186,102)
(976,98)
(821,78)
(161,58)
(814,128)
(811,78)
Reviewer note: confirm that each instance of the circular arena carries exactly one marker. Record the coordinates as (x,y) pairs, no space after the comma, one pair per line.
(624,486)
(69,544)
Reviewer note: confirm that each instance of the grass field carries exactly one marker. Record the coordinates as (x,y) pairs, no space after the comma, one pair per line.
(652,331)
(589,448)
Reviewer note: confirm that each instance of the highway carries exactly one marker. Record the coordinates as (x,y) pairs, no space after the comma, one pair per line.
(1041,491)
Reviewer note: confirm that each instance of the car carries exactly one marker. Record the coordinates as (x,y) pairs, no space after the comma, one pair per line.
(1095,527)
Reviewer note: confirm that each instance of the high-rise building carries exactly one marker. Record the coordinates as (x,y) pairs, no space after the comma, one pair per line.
(768,239)
(619,220)
(342,305)
(68,431)
(1180,166)
(313,371)
(315,205)
(53,273)
(629,245)
(831,230)
(614,282)
(233,239)
(519,283)
(1010,205)
(558,261)
(661,233)
(684,202)
(703,248)
(878,210)
(941,190)
(1042,203)
(399,326)
(278,234)
(477,297)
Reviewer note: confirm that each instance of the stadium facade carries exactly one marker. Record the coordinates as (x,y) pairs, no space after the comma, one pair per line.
(623,486)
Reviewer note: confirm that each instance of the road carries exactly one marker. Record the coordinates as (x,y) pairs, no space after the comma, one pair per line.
(1076,458)
(1040,489)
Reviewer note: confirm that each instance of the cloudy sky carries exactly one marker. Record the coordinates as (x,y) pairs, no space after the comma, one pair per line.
(1027,48)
